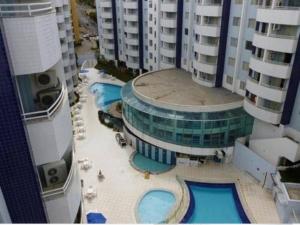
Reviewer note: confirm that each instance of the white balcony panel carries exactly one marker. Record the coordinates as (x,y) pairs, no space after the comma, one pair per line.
(279,16)
(62,207)
(275,44)
(213,31)
(170,38)
(109,56)
(107,15)
(57,3)
(204,82)
(107,25)
(168,7)
(269,93)
(203,67)
(271,69)
(105,4)
(130,17)
(134,53)
(108,45)
(50,138)
(132,65)
(33,43)
(206,49)
(130,5)
(262,114)
(168,52)
(131,41)
(164,65)
(132,30)
(172,23)
(108,35)
(209,10)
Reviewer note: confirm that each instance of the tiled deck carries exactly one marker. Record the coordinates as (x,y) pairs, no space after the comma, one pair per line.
(118,193)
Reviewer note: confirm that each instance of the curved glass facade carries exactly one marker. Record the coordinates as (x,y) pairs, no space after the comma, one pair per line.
(201,130)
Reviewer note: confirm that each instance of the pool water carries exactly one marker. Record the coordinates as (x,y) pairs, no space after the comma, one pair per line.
(106,94)
(145,164)
(155,206)
(215,203)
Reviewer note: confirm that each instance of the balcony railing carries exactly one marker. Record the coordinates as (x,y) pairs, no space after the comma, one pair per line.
(64,188)
(48,113)
(26,9)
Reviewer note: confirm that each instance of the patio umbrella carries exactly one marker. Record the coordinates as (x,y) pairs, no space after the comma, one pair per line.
(94,217)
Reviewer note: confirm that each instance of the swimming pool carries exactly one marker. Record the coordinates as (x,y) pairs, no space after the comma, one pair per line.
(106,94)
(155,206)
(144,164)
(214,203)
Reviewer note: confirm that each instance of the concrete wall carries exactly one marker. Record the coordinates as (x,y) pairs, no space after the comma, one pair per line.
(249,161)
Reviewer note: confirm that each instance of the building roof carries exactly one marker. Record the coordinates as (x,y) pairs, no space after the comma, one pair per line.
(176,87)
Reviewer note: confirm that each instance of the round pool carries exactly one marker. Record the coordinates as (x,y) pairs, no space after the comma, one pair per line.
(106,94)
(144,164)
(155,206)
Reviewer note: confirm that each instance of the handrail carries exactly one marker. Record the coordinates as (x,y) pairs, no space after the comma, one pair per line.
(63,189)
(27,9)
(46,113)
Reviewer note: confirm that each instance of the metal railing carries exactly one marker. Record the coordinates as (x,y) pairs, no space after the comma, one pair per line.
(48,113)
(25,9)
(63,189)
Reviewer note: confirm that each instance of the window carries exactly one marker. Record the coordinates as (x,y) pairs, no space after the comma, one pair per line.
(251,23)
(245,66)
(248,45)
(242,85)
(186,31)
(229,79)
(231,61)
(150,30)
(150,17)
(236,21)
(233,42)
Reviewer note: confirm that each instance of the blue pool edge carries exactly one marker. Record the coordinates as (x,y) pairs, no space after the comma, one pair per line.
(237,200)
(143,171)
(175,206)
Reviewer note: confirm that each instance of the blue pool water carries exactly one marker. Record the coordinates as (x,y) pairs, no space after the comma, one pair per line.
(106,94)
(214,203)
(146,164)
(155,206)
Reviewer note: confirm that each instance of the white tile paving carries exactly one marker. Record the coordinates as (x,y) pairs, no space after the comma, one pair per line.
(123,185)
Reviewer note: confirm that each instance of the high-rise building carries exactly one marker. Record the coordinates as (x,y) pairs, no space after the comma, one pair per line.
(248,47)
(39,180)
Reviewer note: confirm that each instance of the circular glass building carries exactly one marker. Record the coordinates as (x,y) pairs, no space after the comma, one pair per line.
(166,112)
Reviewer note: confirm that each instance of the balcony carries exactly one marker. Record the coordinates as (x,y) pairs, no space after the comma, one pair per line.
(275,43)
(131,17)
(279,15)
(168,7)
(107,15)
(203,81)
(130,4)
(106,25)
(266,92)
(261,113)
(208,30)
(105,4)
(132,64)
(210,68)
(168,52)
(209,10)
(270,68)
(23,24)
(132,52)
(132,41)
(108,35)
(131,29)
(171,23)
(62,201)
(169,38)
(207,49)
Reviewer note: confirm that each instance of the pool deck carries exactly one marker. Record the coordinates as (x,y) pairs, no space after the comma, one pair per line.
(122,187)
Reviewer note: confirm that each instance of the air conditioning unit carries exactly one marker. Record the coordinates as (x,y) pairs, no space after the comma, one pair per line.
(46,80)
(46,99)
(55,173)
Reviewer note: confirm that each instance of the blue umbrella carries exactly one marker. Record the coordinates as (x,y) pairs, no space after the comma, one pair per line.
(94,217)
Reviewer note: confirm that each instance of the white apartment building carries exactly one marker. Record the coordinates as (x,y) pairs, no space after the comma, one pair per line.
(38,44)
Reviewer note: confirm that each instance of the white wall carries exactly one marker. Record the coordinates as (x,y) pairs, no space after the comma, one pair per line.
(247,160)
(4,214)
(50,139)
(33,43)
